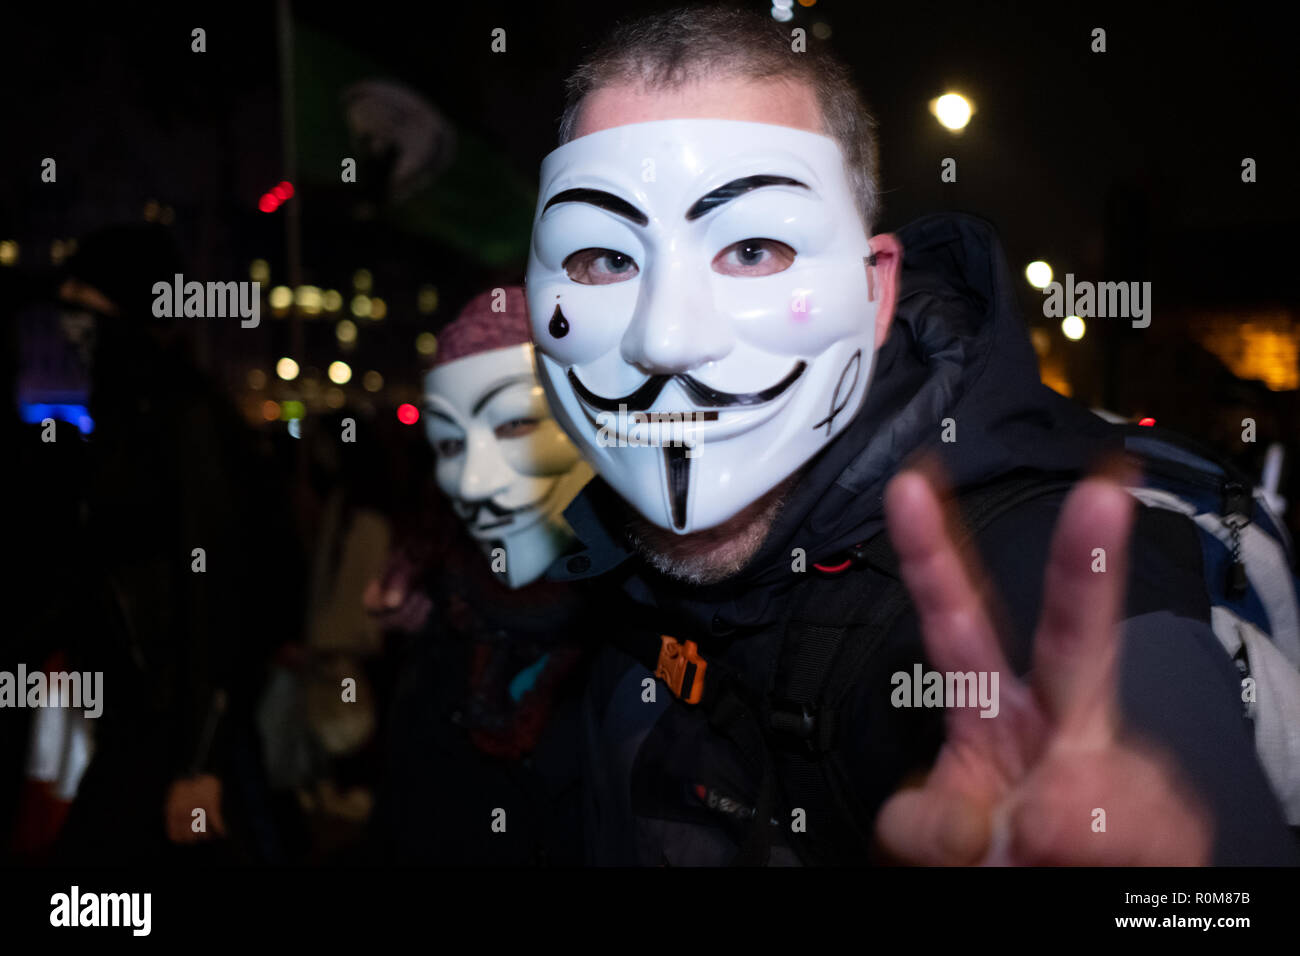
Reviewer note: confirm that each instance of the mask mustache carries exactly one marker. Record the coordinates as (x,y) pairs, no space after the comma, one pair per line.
(469,512)
(644,396)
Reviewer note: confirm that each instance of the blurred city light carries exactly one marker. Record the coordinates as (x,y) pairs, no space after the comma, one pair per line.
(1263,346)
(426,343)
(259,270)
(274,198)
(952,110)
(1073,327)
(340,373)
(308,298)
(281,297)
(361,306)
(346,331)
(408,414)
(1039,274)
(428,300)
(287,369)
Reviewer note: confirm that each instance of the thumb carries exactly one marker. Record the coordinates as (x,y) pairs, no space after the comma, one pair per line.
(933,827)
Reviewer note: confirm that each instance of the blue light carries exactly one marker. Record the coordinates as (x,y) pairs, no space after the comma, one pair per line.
(33,413)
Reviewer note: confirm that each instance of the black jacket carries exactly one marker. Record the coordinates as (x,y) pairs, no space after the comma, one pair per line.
(666,788)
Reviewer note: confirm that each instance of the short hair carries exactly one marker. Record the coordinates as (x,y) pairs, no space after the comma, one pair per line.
(669,49)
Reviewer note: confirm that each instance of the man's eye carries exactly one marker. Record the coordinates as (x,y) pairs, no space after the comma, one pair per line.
(449,447)
(599,266)
(754,257)
(516,428)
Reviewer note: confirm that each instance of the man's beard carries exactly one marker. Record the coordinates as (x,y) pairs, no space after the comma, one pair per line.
(712,554)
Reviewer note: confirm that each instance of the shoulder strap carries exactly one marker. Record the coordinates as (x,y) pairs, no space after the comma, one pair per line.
(817,670)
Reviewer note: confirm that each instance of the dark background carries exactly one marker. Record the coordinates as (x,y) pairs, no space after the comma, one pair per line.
(1123,165)
(1116,166)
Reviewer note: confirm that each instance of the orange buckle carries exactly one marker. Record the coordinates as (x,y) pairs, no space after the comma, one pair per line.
(682,669)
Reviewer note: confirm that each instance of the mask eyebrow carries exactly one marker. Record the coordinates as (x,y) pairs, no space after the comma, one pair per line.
(429,409)
(498,389)
(598,197)
(737,187)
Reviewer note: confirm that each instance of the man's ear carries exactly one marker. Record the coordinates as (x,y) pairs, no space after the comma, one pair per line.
(883,278)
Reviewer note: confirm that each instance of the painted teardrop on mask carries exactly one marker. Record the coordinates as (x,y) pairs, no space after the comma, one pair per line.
(559,325)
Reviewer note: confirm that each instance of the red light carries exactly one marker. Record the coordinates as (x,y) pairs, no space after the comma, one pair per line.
(268,203)
(1146,422)
(408,414)
(283,191)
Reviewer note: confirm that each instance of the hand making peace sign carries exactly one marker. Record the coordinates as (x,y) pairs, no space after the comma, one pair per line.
(1023,787)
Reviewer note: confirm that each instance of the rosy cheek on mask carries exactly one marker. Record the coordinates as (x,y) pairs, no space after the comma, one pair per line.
(801,309)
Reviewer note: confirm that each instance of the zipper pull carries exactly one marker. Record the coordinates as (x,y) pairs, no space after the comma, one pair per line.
(1236,515)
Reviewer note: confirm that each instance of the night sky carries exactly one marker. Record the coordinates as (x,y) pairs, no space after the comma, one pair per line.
(1123,165)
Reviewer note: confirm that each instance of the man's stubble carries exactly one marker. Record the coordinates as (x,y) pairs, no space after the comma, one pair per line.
(712,554)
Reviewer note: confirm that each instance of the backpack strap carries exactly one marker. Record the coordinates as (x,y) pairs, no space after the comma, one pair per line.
(817,671)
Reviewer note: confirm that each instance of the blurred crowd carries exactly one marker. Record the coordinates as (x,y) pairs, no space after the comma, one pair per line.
(254,601)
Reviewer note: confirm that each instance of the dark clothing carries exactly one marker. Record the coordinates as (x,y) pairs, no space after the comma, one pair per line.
(665,786)
(184,636)
(485,718)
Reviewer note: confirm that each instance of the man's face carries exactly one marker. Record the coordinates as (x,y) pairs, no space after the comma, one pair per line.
(506,466)
(697,256)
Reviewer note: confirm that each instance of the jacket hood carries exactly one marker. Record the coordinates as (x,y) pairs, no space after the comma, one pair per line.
(958,349)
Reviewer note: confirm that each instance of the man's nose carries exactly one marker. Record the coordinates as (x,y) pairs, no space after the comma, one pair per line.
(675,327)
(486,472)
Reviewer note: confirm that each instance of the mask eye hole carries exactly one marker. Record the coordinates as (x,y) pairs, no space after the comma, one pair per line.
(751,258)
(516,428)
(600,266)
(449,447)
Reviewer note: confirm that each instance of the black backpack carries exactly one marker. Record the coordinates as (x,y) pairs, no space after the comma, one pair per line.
(785,722)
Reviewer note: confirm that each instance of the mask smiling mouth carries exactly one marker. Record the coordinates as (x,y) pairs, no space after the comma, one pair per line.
(739,411)
(471,513)
(644,396)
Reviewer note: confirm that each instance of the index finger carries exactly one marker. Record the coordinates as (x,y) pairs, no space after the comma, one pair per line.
(955,627)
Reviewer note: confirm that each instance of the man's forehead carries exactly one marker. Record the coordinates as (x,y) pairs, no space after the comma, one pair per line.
(777,101)
(701,162)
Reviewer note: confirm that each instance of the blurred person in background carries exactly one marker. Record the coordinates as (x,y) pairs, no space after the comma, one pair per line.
(485,715)
(172,468)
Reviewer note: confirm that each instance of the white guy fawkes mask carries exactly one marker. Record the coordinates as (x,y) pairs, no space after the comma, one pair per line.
(709,268)
(502,460)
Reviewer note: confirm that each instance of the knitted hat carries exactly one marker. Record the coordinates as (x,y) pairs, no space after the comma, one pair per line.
(493,319)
